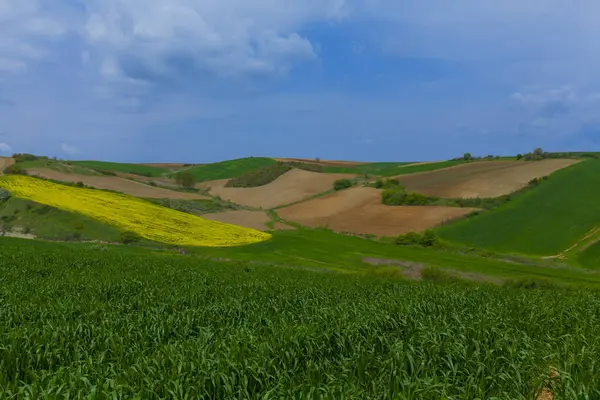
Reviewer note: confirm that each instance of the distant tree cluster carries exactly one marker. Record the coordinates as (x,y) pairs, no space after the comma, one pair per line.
(185,180)
(425,239)
(14,169)
(23,157)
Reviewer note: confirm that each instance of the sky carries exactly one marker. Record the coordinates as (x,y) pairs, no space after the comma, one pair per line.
(370,80)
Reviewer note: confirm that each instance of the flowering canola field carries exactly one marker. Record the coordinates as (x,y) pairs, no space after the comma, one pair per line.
(129,213)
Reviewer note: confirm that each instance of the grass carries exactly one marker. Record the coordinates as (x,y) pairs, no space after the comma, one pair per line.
(50,223)
(169,326)
(197,207)
(143,170)
(229,169)
(590,256)
(544,221)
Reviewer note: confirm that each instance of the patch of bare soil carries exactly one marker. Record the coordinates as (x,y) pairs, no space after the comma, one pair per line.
(5,162)
(293,186)
(18,235)
(148,180)
(249,219)
(413,270)
(325,163)
(117,184)
(481,179)
(280,226)
(359,210)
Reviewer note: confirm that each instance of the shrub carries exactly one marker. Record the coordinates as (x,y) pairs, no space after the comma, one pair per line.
(22,157)
(467,156)
(14,169)
(4,195)
(519,156)
(342,184)
(128,237)
(425,239)
(388,184)
(185,179)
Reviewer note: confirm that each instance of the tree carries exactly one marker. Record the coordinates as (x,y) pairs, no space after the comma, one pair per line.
(185,179)
(538,152)
(467,156)
(341,184)
(519,156)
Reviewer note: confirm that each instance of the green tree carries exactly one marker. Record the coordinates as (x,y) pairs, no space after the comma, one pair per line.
(467,156)
(185,179)
(341,184)
(519,156)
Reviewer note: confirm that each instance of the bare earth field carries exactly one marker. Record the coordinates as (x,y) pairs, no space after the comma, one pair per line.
(359,210)
(480,179)
(325,163)
(293,186)
(249,219)
(5,162)
(117,184)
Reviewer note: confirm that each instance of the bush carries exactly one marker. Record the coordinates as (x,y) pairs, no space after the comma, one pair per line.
(185,179)
(398,197)
(342,184)
(23,157)
(4,195)
(425,239)
(14,169)
(519,156)
(128,237)
(388,184)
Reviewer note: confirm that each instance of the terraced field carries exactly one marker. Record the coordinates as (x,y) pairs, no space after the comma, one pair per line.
(138,169)
(543,221)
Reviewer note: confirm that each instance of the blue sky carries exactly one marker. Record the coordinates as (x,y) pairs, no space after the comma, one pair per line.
(379,80)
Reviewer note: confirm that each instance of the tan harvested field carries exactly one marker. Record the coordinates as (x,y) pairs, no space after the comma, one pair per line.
(480,179)
(325,163)
(359,210)
(280,226)
(115,183)
(5,162)
(249,219)
(293,186)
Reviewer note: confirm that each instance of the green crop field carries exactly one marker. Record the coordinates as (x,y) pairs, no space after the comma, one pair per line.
(393,168)
(60,166)
(229,169)
(145,170)
(543,221)
(141,325)
(590,257)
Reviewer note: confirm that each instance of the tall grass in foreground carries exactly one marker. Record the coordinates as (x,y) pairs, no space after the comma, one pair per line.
(125,325)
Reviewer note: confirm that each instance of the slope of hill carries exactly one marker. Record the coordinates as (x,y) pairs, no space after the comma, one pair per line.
(543,221)
(138,169)
(229,169)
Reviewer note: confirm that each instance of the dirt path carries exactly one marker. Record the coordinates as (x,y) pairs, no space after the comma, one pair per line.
(117,184)
(482,178)
(293,186)
(588,235)
(359,210)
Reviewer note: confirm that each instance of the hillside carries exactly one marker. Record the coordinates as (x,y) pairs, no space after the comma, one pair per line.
(543,221)
(138,169)
(229,169)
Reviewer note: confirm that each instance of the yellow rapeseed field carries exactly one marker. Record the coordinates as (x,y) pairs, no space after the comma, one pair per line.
(129,213)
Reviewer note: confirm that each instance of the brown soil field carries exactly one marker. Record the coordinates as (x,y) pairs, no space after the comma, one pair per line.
(117,184)
(293,186)
(359,210)
(480,179)
(249,219)
(325,163)
(280,226)
(5,162)
(146,180)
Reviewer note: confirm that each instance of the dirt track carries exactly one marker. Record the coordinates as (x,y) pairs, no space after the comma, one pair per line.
(480,179)
(290,187)
(359,210)
(116,184)
(249,219)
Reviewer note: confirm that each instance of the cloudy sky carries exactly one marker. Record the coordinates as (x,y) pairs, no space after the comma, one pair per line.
(381,80)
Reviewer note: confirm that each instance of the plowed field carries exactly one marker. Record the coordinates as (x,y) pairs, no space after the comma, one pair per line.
(290,187)
(117,184)
(359,210)
(481,179)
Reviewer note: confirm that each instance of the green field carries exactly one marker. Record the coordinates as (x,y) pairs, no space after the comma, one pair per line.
(229,169)
(393,168)
(128,324)
(144,170)
(543,221)
(60,166)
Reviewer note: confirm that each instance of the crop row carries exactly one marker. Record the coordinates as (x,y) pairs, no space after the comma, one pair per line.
(129,325)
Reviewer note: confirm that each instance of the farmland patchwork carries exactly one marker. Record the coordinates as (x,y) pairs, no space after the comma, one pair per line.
(148,220)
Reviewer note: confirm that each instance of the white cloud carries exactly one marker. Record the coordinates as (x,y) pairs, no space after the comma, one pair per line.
(5,149)
(69,149)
